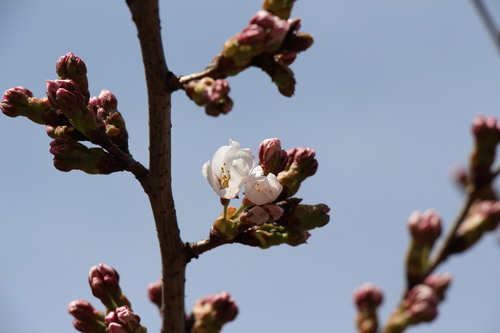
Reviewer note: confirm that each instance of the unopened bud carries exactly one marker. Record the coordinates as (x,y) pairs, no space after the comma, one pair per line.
(105,107)
(72,155)
(155,292)
(87,318)
(367,299)
(213,94)
(439,282)
(104,283)
(367,296)
(272,158)
(301,164)
(487,136)
(483,216)
(19,101)
(421,304)
(73,68)
(212,312)
(425,227)
(65,96)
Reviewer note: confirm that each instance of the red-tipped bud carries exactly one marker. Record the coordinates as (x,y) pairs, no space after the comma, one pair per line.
(256,216)
(439,282)
(155,292)
(104,283)
(483,216)
(487,136)
(87,318)
(213,94)
(72,155)
(425,227)
(19,101)
(367,299)
(301,164)
(421,304)
(272,158)
(367,296)
(212,312)
(73,68)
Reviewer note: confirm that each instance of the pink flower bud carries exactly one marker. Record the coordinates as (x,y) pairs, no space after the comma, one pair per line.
(275,27)
(213,94)
(275,212)
(251,34)
(425,227)
(213,311)
(104,282)
(73,68)
(19,101)
(272,158)
(256,216)
(15,101)
(421,304)
(155,292)
(367,296)
(439,282)
(87,319)
(116,328)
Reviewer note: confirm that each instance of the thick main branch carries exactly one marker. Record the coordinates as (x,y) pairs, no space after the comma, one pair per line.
(145,14)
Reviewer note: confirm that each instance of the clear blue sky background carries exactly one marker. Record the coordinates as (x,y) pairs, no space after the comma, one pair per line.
(385,96)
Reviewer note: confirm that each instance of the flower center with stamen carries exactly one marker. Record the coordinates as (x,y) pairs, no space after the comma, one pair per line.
(225,177)
(257,187)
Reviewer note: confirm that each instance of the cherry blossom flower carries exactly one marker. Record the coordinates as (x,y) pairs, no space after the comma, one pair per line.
(229,169)
(261,189)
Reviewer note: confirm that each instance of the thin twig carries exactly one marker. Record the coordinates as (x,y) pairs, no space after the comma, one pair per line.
(443,251)
(209,71)
(488,21)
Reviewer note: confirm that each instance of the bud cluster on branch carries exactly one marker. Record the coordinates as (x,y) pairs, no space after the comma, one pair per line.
(271,41)
(70,116)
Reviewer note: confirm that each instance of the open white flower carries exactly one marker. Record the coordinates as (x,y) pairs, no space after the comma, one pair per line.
(261,189)
(229,169)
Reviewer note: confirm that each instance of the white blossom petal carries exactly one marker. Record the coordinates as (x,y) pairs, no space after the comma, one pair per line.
(229,169)
(261,189)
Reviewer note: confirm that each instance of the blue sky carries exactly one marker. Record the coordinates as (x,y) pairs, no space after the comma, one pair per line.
(385,97)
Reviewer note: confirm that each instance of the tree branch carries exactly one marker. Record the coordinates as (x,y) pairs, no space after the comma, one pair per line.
(488,21)
(158,184)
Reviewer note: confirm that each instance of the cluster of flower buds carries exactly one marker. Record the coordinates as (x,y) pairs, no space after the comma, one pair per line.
(483,216)
(420,304)
(425,229)
(123,320)
(71,67)
(69,155)
(270,41)
(212,312)
(68,111)
(268,215)
(486,136)
(105,107)
(212,94)
(367,299)
(301,164)
(104,283)
(87,318)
